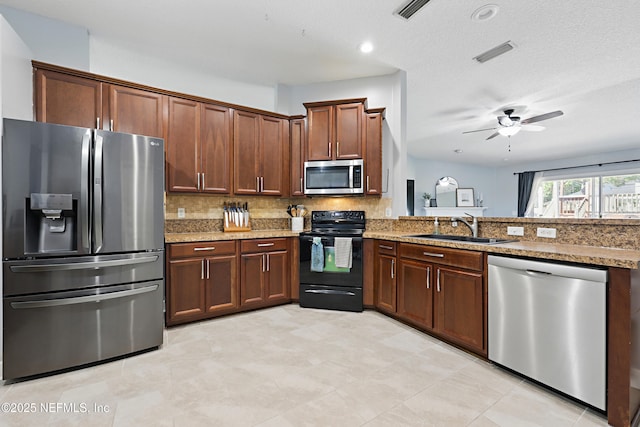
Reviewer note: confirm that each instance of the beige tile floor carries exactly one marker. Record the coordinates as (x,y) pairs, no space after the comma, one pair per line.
(287,366)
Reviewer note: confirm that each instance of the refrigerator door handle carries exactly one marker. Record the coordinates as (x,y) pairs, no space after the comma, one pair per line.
(97,194)
(79,300)
(84,191)
(82,265)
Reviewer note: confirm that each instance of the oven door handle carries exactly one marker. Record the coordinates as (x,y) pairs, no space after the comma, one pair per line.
(328,292)
(79,300)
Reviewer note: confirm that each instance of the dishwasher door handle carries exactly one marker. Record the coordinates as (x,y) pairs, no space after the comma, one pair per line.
(538,273)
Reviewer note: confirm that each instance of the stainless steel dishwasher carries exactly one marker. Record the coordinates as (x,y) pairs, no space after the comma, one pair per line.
(548,321)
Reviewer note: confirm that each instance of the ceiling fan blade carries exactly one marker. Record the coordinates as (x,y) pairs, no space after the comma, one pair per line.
(479,130)
(533,128)
(493,135)
(542,117)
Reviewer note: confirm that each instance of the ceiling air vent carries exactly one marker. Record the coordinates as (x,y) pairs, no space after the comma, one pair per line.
(496,51)
(412,7)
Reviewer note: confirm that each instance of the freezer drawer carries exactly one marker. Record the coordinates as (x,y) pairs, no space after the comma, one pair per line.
(61,274)
(47,332)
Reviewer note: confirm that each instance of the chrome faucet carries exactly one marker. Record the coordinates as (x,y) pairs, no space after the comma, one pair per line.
(473,227)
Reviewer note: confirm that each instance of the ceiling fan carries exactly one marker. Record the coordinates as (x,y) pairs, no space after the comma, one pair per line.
(509,125)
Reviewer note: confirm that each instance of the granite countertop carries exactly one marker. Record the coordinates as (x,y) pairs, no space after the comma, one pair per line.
(595,255)
(219,235)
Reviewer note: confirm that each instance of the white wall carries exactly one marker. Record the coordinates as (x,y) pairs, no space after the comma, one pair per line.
(427,172)
(16,91)
(50,40)
(118,62)
(382,91)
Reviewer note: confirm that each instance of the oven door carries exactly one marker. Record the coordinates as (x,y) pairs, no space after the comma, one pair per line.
(330,276)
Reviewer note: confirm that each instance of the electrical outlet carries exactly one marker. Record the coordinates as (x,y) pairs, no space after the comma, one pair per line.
(387,212)
(547,232)
(515,231)
(180,212)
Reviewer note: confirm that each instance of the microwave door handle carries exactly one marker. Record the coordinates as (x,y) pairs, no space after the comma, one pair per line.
(351,168)
(84,191)
(97,194)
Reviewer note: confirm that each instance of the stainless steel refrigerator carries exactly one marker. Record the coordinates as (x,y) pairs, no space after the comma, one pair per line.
(83,238)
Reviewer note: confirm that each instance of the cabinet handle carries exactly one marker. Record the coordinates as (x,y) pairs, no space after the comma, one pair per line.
(268,262)
(208,248)
(97,122)
(203,187)
(257,184)
(329,150)
(367,183)
(264,263)
(111,129)
(393,268)
(262,184)
(433,255)
(264,245)
(198,180)
(301,186)
(438,283)
(207,269)
(428,277)
(337,149)
(202,269)
(389,248)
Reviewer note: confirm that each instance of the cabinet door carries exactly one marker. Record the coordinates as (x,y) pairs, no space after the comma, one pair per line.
(135,111)
(320,135)
(185,290)
(373,151)
(386,281)
(67,100)
(348,132)
(272,156)
(246,134)
(183,149)
(460,306)
(215,142)
(221,286)
(297,157)
(415,292)
(277,276)
(252,286)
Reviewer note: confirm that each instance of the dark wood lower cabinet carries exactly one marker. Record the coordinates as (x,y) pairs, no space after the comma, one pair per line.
(209,279)
(415,293)
(439,290)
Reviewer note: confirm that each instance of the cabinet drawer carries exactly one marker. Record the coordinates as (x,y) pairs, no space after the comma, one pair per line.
(386,247)
(263,245)
(454,257)
(225,247)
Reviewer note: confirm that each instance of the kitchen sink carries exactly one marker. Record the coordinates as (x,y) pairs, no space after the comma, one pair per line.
(469,239)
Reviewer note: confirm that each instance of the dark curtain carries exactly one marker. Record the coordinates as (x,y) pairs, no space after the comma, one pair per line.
(525,186)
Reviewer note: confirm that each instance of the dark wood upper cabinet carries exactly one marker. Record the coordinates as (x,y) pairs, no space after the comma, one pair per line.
(261,154)
(373,152)
(215,148)
(136,111)
(335,129)
(298,136)
(198,147)
(67,100)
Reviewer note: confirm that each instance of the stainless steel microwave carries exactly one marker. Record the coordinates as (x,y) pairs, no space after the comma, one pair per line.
(333,177)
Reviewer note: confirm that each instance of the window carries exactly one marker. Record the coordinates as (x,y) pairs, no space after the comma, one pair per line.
(604,195)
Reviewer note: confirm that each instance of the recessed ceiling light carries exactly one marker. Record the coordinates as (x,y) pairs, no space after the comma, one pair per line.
(485,13)
(366,47)
(458,151)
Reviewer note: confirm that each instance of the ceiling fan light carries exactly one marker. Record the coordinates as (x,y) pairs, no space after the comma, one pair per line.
(509,131)
(505,120)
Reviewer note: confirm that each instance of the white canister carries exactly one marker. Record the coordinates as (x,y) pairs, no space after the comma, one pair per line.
(297,223)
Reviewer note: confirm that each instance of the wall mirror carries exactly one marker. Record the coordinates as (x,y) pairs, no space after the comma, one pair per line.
(446,191)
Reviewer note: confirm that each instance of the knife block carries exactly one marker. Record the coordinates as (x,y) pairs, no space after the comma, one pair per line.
(234,228)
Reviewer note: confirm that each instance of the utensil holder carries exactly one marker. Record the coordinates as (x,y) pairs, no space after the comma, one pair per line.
(297,223)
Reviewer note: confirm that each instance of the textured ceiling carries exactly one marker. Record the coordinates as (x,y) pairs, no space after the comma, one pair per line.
(579,56)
